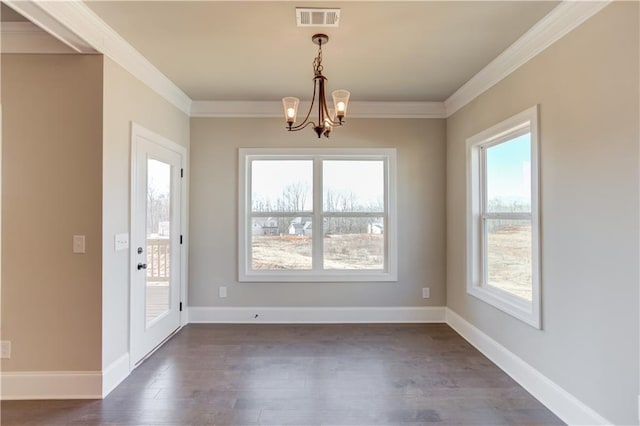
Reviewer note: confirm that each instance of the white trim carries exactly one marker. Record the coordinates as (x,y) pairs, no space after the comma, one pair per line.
(184,231)
(34,11)
(556,24)
(357,109)
(25,37)
(51,385)
(115,374)
(522,309)
(555,398)
(316,315)
(76,25)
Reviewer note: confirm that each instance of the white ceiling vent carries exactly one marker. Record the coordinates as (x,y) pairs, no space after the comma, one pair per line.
(316,17)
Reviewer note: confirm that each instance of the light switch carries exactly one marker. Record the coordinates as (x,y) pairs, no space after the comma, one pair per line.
(78,244)
(121,242)
(5,349)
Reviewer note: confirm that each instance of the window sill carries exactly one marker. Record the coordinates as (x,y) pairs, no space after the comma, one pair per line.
(337,276)
(517,307)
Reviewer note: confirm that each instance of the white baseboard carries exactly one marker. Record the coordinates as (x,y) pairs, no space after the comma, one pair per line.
(114,374)
(316,315)
(564,405)
(51,385)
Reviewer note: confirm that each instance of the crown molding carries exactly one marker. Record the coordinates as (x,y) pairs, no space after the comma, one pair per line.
(556,24)
(268,109)
(34,11)
(70,21)
(26,37)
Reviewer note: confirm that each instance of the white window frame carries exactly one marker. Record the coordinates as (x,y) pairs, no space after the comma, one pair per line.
(522,123)
(317,274)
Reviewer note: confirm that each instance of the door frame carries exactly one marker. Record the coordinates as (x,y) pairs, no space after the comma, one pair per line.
(138,131)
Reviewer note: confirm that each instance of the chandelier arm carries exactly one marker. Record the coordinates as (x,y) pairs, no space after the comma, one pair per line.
(301,126)
(328,118)
(305,121)
(335,123)
(322,102)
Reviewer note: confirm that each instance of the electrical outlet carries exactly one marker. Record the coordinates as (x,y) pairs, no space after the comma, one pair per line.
(5,349)
(222,292)
(426,293)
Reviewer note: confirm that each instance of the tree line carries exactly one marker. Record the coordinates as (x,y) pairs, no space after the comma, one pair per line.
(294,199)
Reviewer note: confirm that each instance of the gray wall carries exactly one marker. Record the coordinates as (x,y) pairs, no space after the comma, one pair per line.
(51,190)
(587,88)
(214,214)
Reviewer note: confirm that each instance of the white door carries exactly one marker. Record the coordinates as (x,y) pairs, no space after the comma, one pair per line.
(156,242)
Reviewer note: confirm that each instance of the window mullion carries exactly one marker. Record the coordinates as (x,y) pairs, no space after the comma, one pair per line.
(318,228)
(507,215)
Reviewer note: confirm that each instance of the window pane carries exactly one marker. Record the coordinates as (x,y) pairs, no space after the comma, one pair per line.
(281,185)
(353,186)
(509,256)
(354,243)
(281,243)
(158,296)
(509,176)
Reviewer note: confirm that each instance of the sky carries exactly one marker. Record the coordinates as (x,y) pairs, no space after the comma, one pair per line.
(509,169)
(508,175)
(363,178)
(159,176)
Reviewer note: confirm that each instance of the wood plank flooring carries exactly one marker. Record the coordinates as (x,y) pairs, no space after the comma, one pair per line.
(414,374)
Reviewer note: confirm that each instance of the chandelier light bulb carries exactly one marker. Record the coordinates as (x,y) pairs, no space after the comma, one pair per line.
(290,105)
(341,102)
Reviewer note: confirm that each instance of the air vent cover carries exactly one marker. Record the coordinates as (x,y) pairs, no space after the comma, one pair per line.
(316,17)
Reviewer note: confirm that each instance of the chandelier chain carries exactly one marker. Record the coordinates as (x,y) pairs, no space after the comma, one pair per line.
(317,62)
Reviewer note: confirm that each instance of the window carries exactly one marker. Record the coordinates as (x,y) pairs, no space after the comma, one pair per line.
(317,215)
(502,217)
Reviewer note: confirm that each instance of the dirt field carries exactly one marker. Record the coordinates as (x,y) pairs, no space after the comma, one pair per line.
(351,251)
(509,259)
(281,252)
(509,266)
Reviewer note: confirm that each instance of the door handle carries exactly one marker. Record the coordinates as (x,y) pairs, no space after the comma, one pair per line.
(142,266)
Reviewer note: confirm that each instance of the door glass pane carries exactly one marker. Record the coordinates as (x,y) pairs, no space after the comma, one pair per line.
(354,243)
(509,256)
(353,186)
(281,243)
(509,176)
(158,242)
(281,185)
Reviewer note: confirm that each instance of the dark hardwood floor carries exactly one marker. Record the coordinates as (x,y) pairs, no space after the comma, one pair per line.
(304,375)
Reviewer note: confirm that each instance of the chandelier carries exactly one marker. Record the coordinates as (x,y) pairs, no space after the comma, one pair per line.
(326,117)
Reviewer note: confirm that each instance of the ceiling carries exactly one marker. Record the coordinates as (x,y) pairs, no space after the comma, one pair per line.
(382,51)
